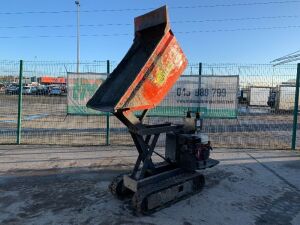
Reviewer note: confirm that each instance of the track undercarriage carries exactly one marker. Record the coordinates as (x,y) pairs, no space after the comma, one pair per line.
(158,195)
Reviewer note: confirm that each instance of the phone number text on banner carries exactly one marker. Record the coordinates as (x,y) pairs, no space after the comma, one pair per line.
(213,96)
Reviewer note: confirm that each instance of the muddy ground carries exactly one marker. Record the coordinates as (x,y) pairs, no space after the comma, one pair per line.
(68,185)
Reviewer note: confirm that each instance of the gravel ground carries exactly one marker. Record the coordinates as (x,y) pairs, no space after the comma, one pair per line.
(68,185)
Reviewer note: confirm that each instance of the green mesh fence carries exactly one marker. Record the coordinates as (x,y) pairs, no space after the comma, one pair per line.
(257,110)
(8,101)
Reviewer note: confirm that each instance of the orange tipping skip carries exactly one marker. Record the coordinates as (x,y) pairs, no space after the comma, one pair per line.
(148,71)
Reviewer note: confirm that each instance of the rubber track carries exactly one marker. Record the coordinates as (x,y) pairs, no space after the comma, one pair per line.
(113,186)
(144,193)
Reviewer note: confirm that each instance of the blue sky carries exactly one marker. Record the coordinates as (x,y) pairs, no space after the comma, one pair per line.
(252,46)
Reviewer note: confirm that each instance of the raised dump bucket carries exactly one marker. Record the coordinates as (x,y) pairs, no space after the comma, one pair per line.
(147,72)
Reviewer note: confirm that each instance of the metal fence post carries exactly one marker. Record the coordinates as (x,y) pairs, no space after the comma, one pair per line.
(200,68)
(199,85)
(20,105)
(296,108)
(107,114)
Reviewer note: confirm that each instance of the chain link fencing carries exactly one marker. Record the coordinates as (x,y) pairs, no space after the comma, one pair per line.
(242,106)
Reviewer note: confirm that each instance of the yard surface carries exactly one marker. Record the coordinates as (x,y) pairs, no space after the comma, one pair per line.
(68,185)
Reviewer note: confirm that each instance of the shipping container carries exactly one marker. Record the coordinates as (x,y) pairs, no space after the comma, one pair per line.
(259,96)
(285,98)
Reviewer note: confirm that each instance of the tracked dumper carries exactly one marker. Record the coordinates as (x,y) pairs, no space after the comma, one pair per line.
(140,82)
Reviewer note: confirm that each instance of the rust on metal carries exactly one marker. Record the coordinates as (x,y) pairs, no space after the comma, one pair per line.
(147,72)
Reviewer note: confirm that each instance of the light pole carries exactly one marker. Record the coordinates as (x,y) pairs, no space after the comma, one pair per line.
(78,34)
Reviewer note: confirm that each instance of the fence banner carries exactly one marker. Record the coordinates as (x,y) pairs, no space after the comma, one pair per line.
(81,87)
(213,96)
